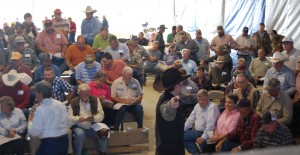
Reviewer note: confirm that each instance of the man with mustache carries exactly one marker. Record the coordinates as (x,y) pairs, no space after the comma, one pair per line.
(221,39)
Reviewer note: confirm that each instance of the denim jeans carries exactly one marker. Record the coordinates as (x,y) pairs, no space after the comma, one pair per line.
(228,146)
(72,37)
(79,138)
(60,63)
(136,109)
(51,146)
(190,137)
(90,40)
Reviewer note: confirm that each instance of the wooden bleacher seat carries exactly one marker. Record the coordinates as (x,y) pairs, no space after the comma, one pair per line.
(124,141)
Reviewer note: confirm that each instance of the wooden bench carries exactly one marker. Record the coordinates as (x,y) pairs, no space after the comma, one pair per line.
(124,141)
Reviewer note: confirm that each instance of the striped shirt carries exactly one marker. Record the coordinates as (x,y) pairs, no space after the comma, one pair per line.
(62,25)
(86,74)
(17,121)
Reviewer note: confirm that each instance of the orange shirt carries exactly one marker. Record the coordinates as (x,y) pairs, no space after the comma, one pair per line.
(76,56)
(116,71)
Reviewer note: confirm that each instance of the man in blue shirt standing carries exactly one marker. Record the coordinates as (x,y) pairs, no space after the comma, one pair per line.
(90,26)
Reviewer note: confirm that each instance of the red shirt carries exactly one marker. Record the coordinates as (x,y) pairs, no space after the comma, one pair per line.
(116,71)
(20,93)
(72,27)
(103,91)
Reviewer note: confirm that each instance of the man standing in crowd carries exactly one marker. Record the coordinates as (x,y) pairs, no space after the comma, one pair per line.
(186,43)
(90,26)
(222,39)
(171,35)
(160,39)
(244,47)
(20,31)
(177,38)
(50,122)
(203,44)
(169,126)
(72,32)
(262,39)
(60,24)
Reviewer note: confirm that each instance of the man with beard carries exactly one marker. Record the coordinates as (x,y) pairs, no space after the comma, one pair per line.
(222,39)
(54,42)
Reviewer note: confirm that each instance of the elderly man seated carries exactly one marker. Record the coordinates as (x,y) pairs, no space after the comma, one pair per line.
(13,124)
(276,101)
(127,93)
(84,111)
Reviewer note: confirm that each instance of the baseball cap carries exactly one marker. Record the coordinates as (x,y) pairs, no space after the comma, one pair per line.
(19,25)
(19,39)
(15,56)
(220,28)
(268,117)
(134,38)
(245,29)
(244,102)
(44,56)
(57,11)
(287,39)
(48,22)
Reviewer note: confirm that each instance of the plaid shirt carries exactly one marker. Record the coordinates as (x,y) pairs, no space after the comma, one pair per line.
(59,87)
(281,136)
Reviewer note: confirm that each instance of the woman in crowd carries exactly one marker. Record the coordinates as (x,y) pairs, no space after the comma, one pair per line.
(226,122)
(13,124)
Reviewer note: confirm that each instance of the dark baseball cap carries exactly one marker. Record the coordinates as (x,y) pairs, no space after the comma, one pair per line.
(268,117)
(244,102)
(245,29)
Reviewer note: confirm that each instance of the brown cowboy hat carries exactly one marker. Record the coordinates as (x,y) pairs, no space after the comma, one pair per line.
(168,79)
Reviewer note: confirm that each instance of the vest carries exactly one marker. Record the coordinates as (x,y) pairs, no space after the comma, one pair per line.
(76,107)
(249,95)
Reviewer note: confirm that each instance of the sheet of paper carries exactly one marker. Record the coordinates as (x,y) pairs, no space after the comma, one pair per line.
(118,106)
(6,139)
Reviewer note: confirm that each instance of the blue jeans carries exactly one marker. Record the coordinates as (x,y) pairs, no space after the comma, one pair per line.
(89,41)
(189,138)
(79,138)
(72,37)
(228,146)
(60,63)
(136,109)
(51,146)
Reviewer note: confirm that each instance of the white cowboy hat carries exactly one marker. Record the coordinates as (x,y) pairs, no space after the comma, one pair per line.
(11,78)
(277,57)
(220,59)
(89,9)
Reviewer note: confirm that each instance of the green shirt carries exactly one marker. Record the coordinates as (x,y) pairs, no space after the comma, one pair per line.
(170,37)
(101,43)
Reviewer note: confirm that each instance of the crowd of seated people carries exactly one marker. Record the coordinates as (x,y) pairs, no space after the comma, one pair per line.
(108,76)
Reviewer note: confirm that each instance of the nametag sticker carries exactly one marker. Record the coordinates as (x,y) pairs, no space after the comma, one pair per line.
(20,92)
(189,88)
(224,73)
(190,65)
(27,55)
(58,36)
(26,45)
